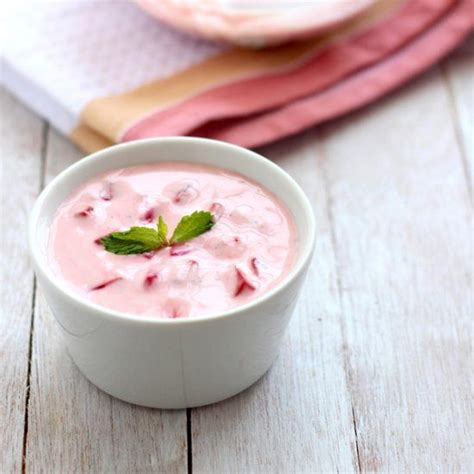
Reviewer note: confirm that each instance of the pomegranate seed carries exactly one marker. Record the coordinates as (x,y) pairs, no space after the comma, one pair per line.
(217,210)
(149,216)
(106,283)
(253,264)
(178,250)
(150,278)
(243,282)
(85,212)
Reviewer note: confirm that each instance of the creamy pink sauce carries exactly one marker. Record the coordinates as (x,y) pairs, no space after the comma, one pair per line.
(249,250)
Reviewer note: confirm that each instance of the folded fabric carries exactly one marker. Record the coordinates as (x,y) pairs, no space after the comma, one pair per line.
(104,72)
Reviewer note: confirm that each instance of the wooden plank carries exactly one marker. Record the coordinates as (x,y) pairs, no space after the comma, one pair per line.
(458,71)
(73,426)
(401,217)
(22,139)
(299,417)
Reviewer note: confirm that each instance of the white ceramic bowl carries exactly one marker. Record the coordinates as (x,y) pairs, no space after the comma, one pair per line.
(181,362)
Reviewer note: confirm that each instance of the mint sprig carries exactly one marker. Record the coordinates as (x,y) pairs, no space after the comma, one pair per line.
(191,226)
(146,239)
(134,240)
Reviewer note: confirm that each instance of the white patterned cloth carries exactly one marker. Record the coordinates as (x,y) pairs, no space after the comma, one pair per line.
(59,55)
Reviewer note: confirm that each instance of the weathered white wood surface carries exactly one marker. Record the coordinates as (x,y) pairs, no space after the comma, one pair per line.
(374,372)
(389,192)
(299,417)
(72,424)
(21,144)
(401,219)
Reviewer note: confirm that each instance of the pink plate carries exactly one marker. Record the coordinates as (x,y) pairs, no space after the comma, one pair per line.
(254,23)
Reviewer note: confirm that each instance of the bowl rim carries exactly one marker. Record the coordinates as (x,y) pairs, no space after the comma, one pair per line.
(46,272)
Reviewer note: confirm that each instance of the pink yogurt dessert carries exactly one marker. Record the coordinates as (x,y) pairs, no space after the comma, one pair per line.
(248,251)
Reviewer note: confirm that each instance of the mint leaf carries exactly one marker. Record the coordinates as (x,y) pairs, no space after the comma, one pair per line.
(162,229)
(191,226)
(146,239)
(134,240)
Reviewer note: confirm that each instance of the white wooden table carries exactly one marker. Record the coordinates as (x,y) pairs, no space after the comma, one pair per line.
(374,372)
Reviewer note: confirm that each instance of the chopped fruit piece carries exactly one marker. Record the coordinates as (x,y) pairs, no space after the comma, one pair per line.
(178,250)
(106,283)
(150,278)
(148,255)
(187,273)
(242,214)
(217,210)
(179,312)
(98,241)
(225,247)
(106,193)
(149,216)
(185,195)
(85,212)
(254,265)
(180,196)
(243,281)
(176,308)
